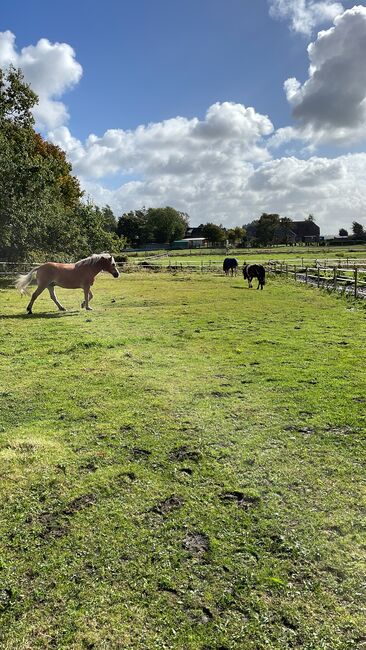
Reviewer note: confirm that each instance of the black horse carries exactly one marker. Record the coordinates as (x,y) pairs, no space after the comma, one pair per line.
(251,271)
(230,264)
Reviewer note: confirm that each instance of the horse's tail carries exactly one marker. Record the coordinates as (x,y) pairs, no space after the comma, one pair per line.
(22,281)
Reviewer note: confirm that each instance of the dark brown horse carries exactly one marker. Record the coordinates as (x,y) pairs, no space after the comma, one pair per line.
(251,271)
(80,275)
(230,265)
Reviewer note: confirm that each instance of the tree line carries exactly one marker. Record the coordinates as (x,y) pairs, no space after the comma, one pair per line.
(358,232)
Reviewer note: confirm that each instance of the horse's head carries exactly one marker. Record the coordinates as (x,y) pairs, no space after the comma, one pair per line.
(109,265)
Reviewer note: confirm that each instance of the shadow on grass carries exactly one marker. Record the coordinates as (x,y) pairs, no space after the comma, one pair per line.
(42,315)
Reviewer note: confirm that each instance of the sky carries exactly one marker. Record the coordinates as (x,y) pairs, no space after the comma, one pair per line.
(223,109)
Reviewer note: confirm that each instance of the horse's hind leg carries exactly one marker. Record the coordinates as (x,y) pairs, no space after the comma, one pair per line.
(51,289)
(34,297)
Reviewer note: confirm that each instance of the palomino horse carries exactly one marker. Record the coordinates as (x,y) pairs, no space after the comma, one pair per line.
(251,271)
(80,275)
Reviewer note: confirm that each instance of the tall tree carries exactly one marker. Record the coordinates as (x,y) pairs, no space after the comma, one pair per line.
(343,232)
(357,229)
(266,227)
(164,225)
(133,226)
(216,235)
(41,212)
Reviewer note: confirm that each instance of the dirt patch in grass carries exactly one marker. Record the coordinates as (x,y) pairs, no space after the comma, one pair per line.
(185,453)
(243,500)
(165,507)
(197,544)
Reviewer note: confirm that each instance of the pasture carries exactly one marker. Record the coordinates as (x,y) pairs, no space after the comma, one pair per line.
(182,468)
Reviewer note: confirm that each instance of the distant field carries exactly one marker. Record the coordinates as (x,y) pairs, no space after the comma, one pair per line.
(286,253)
(182,468)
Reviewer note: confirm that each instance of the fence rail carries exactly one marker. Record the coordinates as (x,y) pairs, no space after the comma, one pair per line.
(339,275)
(345,279)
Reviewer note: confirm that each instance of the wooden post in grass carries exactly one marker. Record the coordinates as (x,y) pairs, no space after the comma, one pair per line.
(295,272)
(318,276)
(335,277)
(286,270)
(306,275)
(356,280)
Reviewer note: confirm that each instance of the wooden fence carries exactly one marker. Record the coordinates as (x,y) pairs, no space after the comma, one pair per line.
(350,280)
(347,275)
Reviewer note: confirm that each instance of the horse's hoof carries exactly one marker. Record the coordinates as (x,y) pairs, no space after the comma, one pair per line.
(89,308)
(62,308)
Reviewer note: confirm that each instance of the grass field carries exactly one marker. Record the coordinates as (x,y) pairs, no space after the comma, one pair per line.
(182,468)
(249,255)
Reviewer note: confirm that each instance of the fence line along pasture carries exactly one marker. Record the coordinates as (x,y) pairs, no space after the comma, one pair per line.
(348,280)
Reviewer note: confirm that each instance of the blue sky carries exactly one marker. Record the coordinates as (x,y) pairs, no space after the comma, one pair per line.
(168,102)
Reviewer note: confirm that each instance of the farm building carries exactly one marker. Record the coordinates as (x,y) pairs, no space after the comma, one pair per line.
(190,242)
(305,232)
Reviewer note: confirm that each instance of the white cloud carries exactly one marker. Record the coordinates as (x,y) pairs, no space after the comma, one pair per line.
(217,169)
(305,15)
(330,107)
(230,135)
(50,69)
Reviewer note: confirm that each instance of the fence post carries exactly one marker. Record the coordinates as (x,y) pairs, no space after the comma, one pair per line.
(356,280)
(306,275)
(335,277)
(286,270)
(318,276)
(295,273)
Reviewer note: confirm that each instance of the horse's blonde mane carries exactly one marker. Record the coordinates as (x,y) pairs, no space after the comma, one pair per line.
(92,259)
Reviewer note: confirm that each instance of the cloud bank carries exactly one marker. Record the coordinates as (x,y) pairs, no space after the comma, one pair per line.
(331,105)
(304,15)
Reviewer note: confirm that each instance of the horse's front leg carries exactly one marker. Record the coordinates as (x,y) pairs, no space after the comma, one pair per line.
(87,296)
(53,296)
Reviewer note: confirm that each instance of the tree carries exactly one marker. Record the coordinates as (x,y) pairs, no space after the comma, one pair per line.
(358,231)
(236,235)
(41,212)
(165,225)
(343,232)
(16,99)
(133,226)
(108,219)
(216,235)
(266,227)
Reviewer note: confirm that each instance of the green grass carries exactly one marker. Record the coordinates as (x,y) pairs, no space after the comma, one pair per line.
(182,468)
(277,253)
